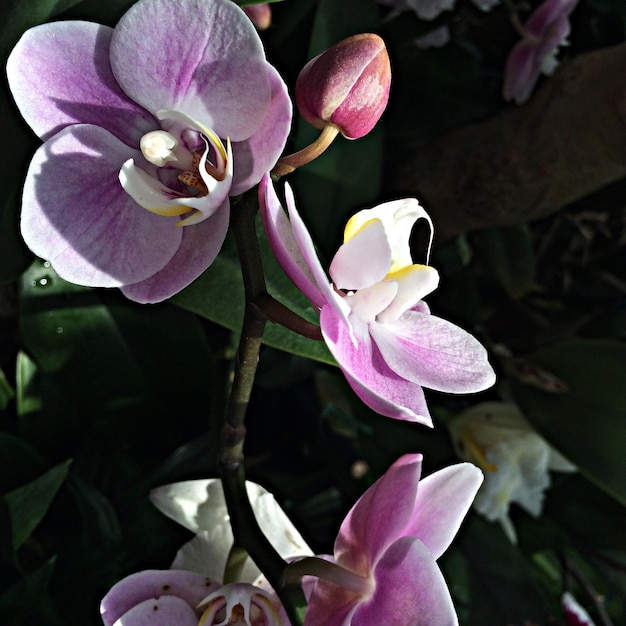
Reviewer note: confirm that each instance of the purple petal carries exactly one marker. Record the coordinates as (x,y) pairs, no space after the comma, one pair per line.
(60,74)
(330,605)
(521,72)
(410,589)
(260,153)
(367,373)
(200,245)
(434,353)
(379,516)
(204,59)
(188,588)
(442,502)
(543,18)
(77,216)
(283,242)
(163,611)
(362,260)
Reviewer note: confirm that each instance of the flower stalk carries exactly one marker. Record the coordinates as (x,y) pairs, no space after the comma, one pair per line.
(246,530)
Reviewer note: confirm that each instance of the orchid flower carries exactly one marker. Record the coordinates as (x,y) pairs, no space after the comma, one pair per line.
(372,316)
(189,593)
(148,128)
(181,598)
(260,15)
(199,506)
(384,568)
(545,30)
(496,437)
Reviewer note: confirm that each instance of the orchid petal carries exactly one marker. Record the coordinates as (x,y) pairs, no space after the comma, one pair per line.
(414,283)
(59,74)
(379,516)
(261,151)
(443,500)
(199,505)
(520,73)
(367,373)
(410,589)
(283,242)
(163,611)
(331,605)
(398,218)
(367,303)
(364,259)
(158,586)
(433,352)
(198,249)
(76,215)
(183,67)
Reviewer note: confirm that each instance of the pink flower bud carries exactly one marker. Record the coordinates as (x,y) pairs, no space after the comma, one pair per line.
(347,85)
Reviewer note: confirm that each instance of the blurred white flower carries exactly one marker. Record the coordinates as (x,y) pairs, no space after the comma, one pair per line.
(515,459)
(199,505)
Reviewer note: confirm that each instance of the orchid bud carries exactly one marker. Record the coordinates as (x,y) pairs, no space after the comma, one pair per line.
(346,86)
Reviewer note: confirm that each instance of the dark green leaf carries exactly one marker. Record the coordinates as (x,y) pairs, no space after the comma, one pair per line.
(6,391)
(588,422)
(28,504)
(218,296)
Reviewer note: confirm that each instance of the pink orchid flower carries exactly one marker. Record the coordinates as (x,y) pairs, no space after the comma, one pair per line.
(545,30)
(181,598)
(148,128)
(384,568)
(372,316)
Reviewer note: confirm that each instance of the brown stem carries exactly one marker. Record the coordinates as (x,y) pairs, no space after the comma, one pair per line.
(277,312)
(246,530)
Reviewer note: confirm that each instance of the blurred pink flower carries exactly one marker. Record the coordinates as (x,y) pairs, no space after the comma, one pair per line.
(260,15)
(384,566)
(372,316)
(545,30)
(142,117)
(575,615)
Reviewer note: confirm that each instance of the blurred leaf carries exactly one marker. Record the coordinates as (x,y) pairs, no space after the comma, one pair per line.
(588,423)
(28,601)
(19,462)
(108,366)
(218,296)
(6,391)
(508,253)
(502,587)
(28,504)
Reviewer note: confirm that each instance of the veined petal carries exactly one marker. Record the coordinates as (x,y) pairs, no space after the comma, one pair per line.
(188,587)
(367,373)
(203,58)
(364,259)
(76,215)
(198,249)
(442,502)
(261,151)
(60,74)
(283,242)
(414,283)
(398,218)
(379,516)
(163,611)
(410,589)
(331,605)
(433,352)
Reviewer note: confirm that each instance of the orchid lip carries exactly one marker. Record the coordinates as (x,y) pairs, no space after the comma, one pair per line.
(200,170)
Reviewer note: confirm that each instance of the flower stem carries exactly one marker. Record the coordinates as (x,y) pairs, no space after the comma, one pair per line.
(288,164)
(246,530)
